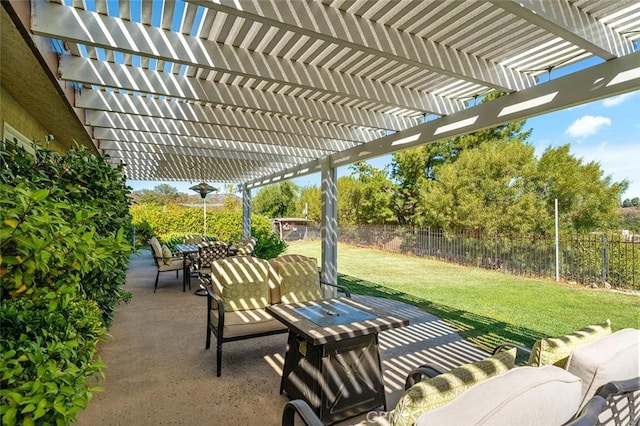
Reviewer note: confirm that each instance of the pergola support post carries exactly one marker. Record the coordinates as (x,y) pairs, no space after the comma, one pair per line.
(246,211)
(329,226)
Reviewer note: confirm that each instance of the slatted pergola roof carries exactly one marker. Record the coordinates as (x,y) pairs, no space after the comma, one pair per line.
(251,92)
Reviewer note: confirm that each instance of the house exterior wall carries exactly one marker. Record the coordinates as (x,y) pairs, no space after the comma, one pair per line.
(12,113)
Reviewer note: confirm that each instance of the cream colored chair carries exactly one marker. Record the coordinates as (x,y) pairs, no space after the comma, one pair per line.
(164,260)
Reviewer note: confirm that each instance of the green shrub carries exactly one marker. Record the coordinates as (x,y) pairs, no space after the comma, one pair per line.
(143,232)
(268,244)
(47,358)
(64,254)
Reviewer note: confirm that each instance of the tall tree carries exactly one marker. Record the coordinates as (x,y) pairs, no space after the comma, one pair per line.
(373,197)
(587,199)
(410,167)
(488,188)
(277,200)
(310,197)
(348,191)
(160,194)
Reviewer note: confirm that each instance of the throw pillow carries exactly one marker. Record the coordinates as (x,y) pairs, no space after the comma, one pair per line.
(299,281)
(166,255)
(556,350)
(444,388)
(242,282)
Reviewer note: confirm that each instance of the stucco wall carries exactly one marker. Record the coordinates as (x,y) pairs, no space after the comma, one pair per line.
(17,117)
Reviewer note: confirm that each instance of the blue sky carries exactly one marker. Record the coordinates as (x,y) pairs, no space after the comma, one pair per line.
(606,131)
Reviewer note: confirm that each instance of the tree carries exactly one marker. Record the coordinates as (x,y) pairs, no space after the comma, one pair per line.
(410,167)
(348,190)
(162,194)
(635,201)
(372,199)
(277,200)
(311,197)
(587,200)
(488,188)
(626,203)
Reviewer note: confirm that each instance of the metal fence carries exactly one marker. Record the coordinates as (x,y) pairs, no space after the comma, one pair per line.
(599,259)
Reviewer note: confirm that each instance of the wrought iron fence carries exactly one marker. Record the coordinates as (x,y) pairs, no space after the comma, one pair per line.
(601,259)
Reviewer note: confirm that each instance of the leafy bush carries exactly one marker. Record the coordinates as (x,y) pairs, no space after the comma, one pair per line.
(47,358)
(143,232)
(172,222)
(63,264)
(268,244)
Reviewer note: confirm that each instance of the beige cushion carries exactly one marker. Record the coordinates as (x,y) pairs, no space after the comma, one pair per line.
(522,396)
(241,281)
(556,350)
(155,246)
(275,279)
(166,255)
(174,265)
(440,390)
(245,323)
(613,357)
(299,281)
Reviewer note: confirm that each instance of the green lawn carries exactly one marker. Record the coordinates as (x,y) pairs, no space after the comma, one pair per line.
(486,307)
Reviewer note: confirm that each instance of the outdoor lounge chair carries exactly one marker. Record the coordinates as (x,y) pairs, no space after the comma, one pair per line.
(546,396)
(164,261)
(597,357)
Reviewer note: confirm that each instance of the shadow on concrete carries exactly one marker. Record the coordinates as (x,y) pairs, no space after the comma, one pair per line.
(159,373)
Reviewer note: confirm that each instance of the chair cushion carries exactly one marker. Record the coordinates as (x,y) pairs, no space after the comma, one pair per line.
(173,265)
(299,281)
(438,391)
(522,396)
(155,246)
(613,357)
(241,281)
(246,323)
(556,350)
(303,278)
(166,255)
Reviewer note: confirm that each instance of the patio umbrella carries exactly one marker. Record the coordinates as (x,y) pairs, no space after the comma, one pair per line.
(203,189)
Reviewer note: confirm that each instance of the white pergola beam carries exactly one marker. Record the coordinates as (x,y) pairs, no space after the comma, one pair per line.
(319,21)
(93,29)
(572,24)
(611,78)
(105,74)
(267,141)
(341,137)
(197,142)
(151,147)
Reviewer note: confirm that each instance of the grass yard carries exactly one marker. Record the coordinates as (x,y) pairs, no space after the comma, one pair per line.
(486,307)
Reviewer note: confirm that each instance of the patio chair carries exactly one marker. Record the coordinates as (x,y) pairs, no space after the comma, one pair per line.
(165,261)
(239,289)
(594,354)
(209,252)
(246,246)
(194,239)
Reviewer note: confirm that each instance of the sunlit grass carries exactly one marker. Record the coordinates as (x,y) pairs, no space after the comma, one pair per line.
(487,307)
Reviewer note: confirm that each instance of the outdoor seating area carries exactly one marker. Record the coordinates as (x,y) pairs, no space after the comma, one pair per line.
(159,371)
(165,375)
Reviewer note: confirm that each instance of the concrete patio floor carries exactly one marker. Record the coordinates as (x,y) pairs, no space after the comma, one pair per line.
(158,372)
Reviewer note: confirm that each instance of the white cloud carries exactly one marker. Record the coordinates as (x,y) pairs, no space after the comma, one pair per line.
(616,100)
(618,160)
(587,125)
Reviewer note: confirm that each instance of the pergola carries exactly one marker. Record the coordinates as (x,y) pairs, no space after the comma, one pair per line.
(255,92)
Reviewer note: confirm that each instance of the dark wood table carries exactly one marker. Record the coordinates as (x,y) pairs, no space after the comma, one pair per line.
(185,250)
(332,359)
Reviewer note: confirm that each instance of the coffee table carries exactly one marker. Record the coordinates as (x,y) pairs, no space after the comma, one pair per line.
(332,359)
